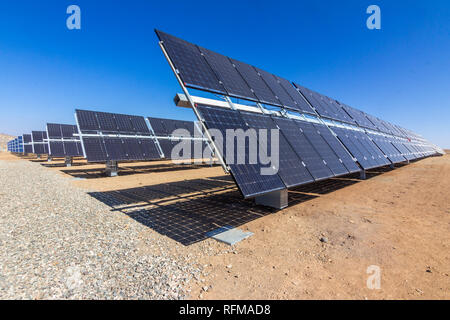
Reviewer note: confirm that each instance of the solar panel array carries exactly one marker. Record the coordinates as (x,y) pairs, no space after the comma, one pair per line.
(63,141)
(119,137)
(325,139)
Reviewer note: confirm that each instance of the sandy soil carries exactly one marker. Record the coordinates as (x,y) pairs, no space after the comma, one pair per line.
(398,220)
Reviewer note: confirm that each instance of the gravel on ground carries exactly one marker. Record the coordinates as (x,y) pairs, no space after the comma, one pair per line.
(57,242)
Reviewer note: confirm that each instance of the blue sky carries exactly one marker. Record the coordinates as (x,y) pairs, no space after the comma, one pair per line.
(400,73)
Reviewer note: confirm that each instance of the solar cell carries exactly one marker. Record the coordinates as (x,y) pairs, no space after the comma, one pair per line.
(247,176)
(158,126)
(191,66)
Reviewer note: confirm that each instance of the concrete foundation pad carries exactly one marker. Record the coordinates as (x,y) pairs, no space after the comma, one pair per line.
(229,235)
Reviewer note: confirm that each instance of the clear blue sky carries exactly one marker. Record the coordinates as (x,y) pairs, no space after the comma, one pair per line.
(400,73)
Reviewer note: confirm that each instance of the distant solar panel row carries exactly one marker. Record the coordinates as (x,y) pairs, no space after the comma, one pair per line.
(15,145)
(119,137)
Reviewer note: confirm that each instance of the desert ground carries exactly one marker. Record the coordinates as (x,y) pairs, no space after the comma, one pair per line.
(144,234)
(4,138)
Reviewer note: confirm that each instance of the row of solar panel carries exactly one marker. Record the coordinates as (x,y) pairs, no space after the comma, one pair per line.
(15,145)
(307,151)
(105,147)
(204,69)
(207,70)
(111,123)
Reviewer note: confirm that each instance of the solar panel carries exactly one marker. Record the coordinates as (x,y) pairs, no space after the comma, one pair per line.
(191,66)
(248,177)
(373,149)
(87,120)
(388,149)
(95,149)
(26,138)
(228,75)
(355,148)
(291,170)
(324,150)
(337,147)
(256,83)
(277,89)
(28,149)
(54,131)
(301,103)
(57,149)
(364,148)
(68,131)
(38,136)
(292,130)
(72,149)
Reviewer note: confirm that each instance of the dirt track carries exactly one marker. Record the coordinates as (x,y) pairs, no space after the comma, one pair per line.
(398,220)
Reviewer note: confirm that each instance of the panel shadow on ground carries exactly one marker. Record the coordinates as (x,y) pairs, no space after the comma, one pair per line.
(188,211)
(124,169)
